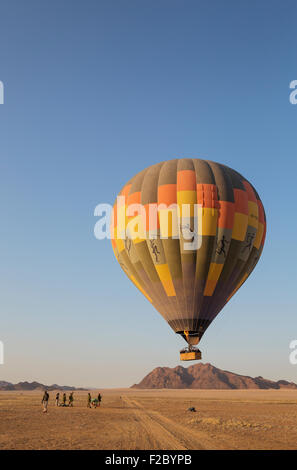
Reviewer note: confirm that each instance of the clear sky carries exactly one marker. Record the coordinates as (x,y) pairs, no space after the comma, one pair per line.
(95,91)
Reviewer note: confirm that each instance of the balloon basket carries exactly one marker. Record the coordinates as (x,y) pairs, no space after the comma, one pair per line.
(190,355)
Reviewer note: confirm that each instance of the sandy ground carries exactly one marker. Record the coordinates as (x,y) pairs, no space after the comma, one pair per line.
(152,419)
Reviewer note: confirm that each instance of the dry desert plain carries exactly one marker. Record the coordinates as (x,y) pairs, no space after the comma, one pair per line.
(133,419)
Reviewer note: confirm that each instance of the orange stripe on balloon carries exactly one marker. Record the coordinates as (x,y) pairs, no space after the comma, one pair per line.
(226,214)
(134,198)
(167,194)
(261,212)
(186,180)
(241,201)
(207,195)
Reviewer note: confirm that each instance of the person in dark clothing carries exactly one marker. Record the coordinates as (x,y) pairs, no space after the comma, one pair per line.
(57,399)
(71,399)
(89,400)
(64,399)
(44,401)
(99,399)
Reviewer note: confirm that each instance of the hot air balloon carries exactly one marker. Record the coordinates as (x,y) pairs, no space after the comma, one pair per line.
(196,236)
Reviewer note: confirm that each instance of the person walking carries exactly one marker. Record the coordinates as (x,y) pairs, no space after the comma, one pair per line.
(71,399)
(64,399)
(44,401)
(99,399)
(89,400)
(57,398)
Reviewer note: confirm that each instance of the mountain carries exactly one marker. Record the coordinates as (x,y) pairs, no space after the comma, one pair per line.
(29,386)
(5,385)
(206,376)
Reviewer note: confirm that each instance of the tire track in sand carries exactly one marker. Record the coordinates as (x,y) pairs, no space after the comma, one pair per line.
(151,435)
(161,433)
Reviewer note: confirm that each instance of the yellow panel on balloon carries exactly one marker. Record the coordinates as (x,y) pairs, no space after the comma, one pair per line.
(165,278)
(207,221)
(188,198)
(253,214)
(259,236)
(119,243)
(212,278)
(214,272)
(240,226)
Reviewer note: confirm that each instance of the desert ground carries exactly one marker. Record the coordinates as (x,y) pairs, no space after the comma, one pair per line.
(133,419)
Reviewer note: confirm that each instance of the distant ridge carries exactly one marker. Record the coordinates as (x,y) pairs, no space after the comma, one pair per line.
(28,386)
(206,376)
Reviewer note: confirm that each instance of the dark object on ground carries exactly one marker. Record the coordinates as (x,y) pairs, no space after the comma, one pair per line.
(192,409)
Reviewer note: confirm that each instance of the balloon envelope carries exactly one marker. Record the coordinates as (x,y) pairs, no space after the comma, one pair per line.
(198,236)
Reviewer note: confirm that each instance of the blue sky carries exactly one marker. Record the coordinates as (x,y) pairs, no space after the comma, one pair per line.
(95,91)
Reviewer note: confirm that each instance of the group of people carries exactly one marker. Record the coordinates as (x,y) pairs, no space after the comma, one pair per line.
(91,403)
(64,399)
(94,402)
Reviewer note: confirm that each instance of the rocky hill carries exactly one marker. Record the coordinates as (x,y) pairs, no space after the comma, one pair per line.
(28,386)
(206,376)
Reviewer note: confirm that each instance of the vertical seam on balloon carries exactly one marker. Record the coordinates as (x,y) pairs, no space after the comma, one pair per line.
(247,262)
(166,312)
(216,296)
(154,295)
(178,319)
(206,309)
(188,302)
